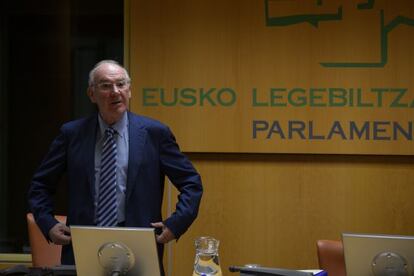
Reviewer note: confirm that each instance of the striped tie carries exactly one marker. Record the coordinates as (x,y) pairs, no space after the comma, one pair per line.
(107,211)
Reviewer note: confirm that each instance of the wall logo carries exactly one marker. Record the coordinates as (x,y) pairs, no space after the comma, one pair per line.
(314,19)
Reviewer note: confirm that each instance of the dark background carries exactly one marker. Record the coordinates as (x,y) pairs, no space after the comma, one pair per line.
(47,49)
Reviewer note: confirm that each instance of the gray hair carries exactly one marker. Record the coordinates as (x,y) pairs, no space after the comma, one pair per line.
(106,61)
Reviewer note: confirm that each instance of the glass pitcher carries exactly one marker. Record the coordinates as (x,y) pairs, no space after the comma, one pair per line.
(206,259)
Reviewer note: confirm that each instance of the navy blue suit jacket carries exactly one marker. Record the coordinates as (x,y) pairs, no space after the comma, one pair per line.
(153,154)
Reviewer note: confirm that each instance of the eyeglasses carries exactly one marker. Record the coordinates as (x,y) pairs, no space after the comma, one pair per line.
(108,86)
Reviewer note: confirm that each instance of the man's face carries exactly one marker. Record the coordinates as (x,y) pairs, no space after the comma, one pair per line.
(111,92)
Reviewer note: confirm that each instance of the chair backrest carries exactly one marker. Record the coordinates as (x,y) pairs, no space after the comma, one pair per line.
(44,254)
(331,257)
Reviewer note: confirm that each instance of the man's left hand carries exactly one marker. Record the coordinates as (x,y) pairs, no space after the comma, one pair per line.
(166,234)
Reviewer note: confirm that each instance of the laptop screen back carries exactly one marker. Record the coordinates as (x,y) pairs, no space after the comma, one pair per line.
(368,254)
(98,247)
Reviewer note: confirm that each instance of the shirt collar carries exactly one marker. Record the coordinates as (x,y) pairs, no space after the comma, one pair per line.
(119,126)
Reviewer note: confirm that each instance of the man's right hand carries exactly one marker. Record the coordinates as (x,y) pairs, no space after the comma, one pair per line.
(60,234)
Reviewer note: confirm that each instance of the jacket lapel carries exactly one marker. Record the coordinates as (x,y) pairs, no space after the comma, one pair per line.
(137,136)
(89,152)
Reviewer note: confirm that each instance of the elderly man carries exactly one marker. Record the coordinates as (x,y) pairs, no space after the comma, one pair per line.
(116,162)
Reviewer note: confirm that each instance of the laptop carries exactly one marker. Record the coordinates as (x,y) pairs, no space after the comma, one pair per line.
(376,254)
(102,250)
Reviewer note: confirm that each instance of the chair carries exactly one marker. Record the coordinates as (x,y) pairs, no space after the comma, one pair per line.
(44,254)
(331,257)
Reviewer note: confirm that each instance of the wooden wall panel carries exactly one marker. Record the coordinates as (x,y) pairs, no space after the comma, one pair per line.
(271,209)
(241,49)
